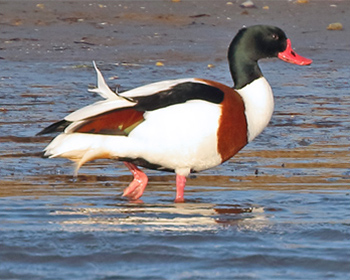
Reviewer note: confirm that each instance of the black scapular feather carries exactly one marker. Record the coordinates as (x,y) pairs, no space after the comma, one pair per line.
(55,127)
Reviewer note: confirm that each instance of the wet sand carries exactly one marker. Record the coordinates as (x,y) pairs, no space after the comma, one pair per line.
(277,210)
(143,31)
(185,36)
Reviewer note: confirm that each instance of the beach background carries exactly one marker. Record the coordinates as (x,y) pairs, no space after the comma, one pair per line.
(280,209)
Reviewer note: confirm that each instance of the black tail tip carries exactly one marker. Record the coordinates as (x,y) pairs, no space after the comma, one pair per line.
(55,127)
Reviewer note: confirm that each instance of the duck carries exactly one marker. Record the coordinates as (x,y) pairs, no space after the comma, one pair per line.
(184,125)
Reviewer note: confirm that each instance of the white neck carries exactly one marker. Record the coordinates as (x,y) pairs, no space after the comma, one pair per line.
(258,101)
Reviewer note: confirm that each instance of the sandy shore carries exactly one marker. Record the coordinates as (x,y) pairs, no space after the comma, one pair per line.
(179,34)
(160,30)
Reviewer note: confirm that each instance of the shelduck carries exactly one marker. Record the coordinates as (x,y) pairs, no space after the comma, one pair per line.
(183,126)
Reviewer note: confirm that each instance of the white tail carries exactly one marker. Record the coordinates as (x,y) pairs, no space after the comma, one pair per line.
(82,147)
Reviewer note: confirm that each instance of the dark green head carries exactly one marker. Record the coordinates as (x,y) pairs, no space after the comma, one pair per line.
(254,43)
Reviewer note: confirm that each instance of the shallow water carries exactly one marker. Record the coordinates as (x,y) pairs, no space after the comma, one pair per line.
(257,235)
(280,209)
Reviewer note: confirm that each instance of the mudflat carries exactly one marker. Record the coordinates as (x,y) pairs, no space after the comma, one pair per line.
(142,31)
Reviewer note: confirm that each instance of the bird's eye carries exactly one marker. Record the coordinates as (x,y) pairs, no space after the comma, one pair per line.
(274,36)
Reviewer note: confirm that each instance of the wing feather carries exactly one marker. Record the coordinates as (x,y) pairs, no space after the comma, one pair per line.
(117,122)
(119,114)
(102,88)
(98,108)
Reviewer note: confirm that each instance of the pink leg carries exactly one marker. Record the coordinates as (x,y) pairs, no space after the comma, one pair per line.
(180,187)
(136,188)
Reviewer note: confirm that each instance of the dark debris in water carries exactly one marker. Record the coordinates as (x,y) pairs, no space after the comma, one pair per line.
(232,209)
